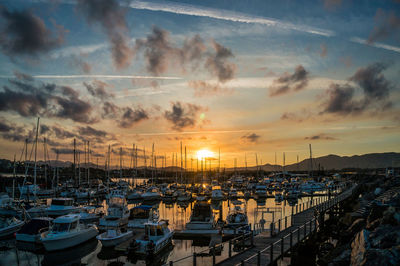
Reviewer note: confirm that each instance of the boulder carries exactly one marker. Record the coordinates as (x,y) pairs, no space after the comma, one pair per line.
(359,248)
(390,217)
(375,257)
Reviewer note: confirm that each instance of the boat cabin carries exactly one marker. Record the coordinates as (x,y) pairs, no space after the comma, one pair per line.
(65,223)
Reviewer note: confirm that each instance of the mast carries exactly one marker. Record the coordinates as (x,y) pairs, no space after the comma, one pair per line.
(219,161)
(120,162)
(185,165)
(108,165)
(88,171)
(311,162)
(14,177)
(257,164)
(283,167)
(36,141)
(181,164)
(75,161)
(45,161)
(79,168)
(297,162)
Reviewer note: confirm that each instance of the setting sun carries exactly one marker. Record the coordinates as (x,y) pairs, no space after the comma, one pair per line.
(204,153)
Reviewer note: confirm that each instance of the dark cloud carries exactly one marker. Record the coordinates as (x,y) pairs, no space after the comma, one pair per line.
(182,115)
(109,110)
(131,116)
(160,55)
(23,33)
(10,131)
(320,137)
(44,129)
(158,51)
(62,133)
(111,16)
(386,25)
(22,76)
(98,89)
(203,88)
(218,63)
(290,82)
(89,131)
(373,82)
(4,126)
(29,98)
(375,92)
(253,137)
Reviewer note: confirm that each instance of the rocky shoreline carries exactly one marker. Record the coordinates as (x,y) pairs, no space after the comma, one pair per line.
(368,230)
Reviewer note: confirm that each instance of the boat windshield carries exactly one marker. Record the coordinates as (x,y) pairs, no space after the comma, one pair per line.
(60,227)
(201,213)
(116,201)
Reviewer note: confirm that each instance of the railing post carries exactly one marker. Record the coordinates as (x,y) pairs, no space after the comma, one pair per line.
(285,222)
(298,234)
(258,258)
(194,259)
(243,240)
(213,253)
(171,263)
(282,242)
(252,240)
(279,226)
(291,239)
(271,255)
(296,208)
(271,225)
(230,248)
(305,230)
(242,263)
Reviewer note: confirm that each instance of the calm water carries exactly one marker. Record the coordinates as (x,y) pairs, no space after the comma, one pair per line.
(91,253)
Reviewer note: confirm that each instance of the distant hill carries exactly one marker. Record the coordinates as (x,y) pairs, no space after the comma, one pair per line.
(329,162)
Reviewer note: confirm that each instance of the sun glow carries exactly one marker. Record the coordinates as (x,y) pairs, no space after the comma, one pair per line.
(204,153)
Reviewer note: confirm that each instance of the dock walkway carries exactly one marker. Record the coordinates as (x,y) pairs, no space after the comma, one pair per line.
(269,248)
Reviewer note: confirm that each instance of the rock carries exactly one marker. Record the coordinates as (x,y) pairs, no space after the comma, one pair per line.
(372,225)
(375,212)
(378,191)
(343,259)
(389,217)
(359,248)
(385,236)
(356,226)
(380,257)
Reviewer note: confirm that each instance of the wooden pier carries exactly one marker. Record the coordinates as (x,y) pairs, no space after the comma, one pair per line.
(269,248)
(263,246)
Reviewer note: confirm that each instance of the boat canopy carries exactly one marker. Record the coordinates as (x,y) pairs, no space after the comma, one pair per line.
(34,225)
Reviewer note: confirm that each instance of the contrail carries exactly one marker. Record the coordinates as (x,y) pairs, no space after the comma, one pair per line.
(377,45)
(191,10)
(97,76)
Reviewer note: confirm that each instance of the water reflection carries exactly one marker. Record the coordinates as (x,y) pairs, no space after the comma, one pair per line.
(178,214)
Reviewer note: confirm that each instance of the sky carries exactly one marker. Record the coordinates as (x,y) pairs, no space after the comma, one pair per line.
(251,79)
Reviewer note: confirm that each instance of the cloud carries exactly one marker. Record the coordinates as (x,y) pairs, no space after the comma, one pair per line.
(203,88)
(346,60)
(98,90)
(29,98)
(4,126)
(192,10)
(332,5)
(160,55)
(386,25)
(13,132)
(44,129)
(111,17)
(23,33)
(132,116)
(62,133)
(253,137)
(84,66)
(90,131)
(375,92)
(321,136)
(290,82)
(109,110)
(218,65)
(182,115)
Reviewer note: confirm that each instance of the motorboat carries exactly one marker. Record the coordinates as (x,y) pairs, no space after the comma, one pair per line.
(216,193)
(31,231)
(202,217)
(237,219)
(134,195)
(9,225)
(58,207)
(184,196)
(138,216)
(113,237)
(157,236)
(90,215)
(153,193)
(233,194)
(84,193)
(28,189)
(8,207)
(170,195)
(67,231)
(278,197)
(117,213)
(261,191)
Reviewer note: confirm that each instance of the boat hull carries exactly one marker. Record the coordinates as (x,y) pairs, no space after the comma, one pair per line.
(68,240)
(111,242)
(4,232)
